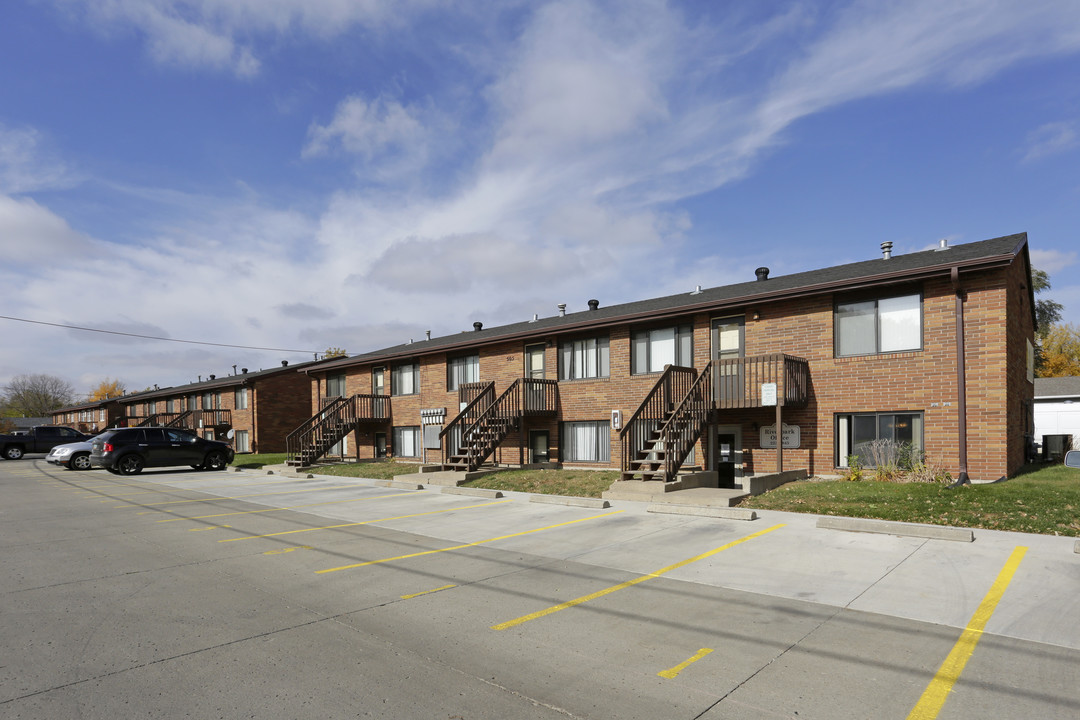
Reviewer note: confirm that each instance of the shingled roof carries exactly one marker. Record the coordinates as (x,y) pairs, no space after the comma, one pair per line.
(1057,387)
(216,384)
(899,268)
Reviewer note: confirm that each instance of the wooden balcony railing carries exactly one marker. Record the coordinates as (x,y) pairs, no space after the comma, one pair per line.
(737,382)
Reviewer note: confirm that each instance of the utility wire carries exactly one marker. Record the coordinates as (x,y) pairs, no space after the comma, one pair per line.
(154,337)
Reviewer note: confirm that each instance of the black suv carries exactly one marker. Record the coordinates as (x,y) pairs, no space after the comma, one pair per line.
(126,451)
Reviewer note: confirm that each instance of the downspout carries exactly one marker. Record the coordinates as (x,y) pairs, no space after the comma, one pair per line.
(961,382)
(253,406)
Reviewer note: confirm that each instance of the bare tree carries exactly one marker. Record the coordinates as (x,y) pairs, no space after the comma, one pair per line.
(37,395)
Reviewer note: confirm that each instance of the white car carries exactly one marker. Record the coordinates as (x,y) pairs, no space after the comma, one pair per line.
(73,456)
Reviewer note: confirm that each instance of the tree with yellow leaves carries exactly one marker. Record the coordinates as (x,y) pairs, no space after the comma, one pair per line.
(1060,347)
(107,389)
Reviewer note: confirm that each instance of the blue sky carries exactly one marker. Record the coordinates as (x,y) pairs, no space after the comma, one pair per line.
(299,174)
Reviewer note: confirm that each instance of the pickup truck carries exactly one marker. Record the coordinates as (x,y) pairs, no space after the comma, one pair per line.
(40,439)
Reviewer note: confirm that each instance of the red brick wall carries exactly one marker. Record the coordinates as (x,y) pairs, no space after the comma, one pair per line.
(278,403)
(997,321)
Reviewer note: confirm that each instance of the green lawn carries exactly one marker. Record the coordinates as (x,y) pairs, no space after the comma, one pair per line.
(576,483)
(1043,500)
(254,461)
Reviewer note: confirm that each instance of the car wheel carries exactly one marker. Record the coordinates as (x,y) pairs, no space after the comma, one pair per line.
(214,461)
(13,452)
(80,461)
(130,465)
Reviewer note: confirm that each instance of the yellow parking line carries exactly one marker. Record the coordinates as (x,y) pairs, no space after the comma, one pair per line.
(363,522)
(465,545)
(621,586)
(427,592)
(933,698)
(233,497)
(672,673)
(290,507)
(282,551)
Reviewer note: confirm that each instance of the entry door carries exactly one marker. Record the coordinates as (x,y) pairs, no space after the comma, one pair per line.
(380,444)
(725,459)
(728,336)
(538,446)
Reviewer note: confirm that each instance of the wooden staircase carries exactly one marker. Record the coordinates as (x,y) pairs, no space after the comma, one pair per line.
(473,436)
(326,428)
(662,432)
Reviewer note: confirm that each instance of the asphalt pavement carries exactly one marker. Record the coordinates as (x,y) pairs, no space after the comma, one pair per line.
(241,594)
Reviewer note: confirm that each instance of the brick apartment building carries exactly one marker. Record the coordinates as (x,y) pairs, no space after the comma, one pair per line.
(259,407)
(90,417)
(932,348)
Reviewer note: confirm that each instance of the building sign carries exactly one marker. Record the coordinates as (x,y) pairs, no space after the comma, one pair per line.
(792,436)
(768,394)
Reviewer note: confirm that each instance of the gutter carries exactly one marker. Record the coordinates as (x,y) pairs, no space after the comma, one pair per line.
(961,380)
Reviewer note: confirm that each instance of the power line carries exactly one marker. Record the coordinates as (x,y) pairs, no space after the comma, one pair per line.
(153,337)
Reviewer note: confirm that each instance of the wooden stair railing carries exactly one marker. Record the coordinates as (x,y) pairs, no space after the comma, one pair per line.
(640,432)
(452,437)
(526,397)
(672,442)
(326,428)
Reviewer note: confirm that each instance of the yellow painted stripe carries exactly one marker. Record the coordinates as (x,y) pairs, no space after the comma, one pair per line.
(233,497)
(364,522)
(629,583)
(282,551)
(290,507)
(671,673)
(427,592)
(212,527)
(466,545)
(933,698)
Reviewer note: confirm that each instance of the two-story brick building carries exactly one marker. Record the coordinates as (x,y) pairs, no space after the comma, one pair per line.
(90,417)
(931,348)
(259,407)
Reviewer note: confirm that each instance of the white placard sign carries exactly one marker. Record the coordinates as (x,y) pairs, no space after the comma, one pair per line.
(768,394)
(792,436)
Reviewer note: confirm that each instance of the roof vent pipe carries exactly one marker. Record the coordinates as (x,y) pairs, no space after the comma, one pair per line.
(696,291)
(428,333)
(243,370)
(562,309)
(594,304)
(477,326)
(886,250)
(762,273)
(536,317)
(284,363)
(213,377)
(943,244)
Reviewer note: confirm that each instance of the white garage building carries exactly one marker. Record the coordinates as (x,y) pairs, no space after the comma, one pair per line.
(1057,414)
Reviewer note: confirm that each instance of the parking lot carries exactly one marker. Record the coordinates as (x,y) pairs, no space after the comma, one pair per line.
(241,594)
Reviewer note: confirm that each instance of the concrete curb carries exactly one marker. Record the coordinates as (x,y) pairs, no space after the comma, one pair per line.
(575,501)
(886,527)
(474,492)
(398,485)
(713,512)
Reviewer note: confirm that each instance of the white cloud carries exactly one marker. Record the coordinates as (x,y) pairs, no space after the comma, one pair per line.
(30,232)
(1047,259)
(368,129)
(25,166)
(1050,139)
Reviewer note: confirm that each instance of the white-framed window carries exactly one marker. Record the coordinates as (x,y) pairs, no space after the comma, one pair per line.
(652,349)
(585,358)
(461,370)
(241,441)
(378,381)
(407,441)
(405,379)
(586,441)
(884,325)
(855,430)
(170,405)
(241,398)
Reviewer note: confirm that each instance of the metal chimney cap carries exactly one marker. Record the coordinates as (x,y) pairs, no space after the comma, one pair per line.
(886,250)
(284,363)
(594,304)
(762,273)
(943,244)
(562,309)
(477,326)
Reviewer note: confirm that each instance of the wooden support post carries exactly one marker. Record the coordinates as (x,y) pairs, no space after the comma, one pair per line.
(779,439)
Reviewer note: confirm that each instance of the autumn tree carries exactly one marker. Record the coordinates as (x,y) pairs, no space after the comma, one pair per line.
(334,352)
(1060,351)
(37,395)
(106,389)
